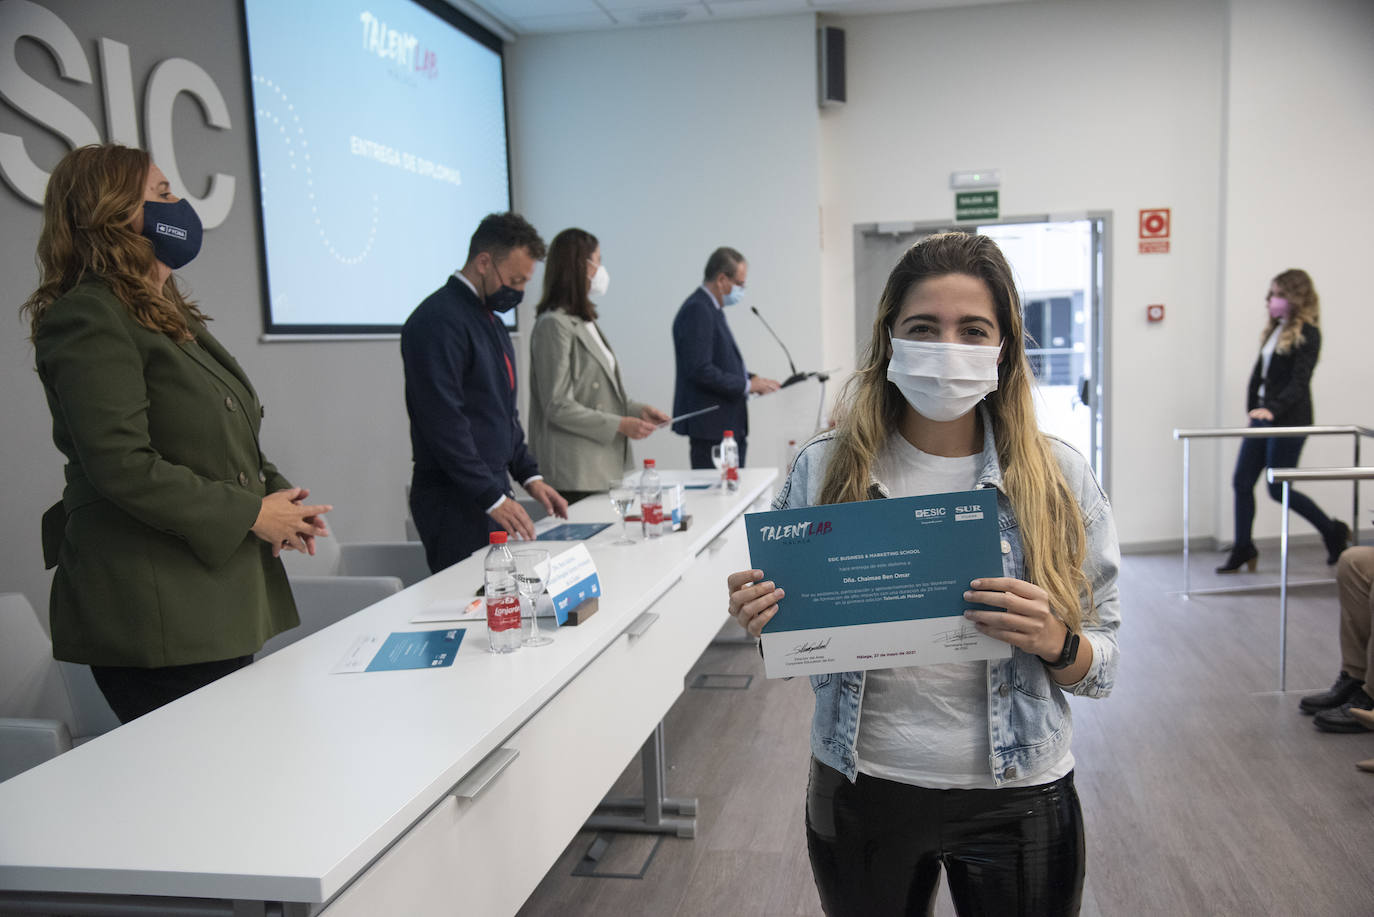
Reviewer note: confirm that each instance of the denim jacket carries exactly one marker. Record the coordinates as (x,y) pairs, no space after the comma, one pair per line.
(1029,723)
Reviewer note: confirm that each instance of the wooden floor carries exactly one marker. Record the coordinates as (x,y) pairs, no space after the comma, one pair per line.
(1204,790)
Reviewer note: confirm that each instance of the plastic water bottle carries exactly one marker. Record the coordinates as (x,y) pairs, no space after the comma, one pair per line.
(729,466)
(503,597)
(651,501)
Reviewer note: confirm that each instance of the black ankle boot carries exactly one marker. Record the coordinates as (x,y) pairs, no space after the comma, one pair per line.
(1337,539)
(1242,555)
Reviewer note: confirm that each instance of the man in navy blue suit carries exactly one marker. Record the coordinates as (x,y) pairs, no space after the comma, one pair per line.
(710,370)
(465,432)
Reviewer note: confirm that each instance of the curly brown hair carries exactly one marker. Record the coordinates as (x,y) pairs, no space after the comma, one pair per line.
(1296,286)
(93,197)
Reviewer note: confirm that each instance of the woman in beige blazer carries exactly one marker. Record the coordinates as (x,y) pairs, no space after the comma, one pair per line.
(581,420)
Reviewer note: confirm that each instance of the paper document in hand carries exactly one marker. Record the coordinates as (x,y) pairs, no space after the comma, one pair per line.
(877,584)
(705,410)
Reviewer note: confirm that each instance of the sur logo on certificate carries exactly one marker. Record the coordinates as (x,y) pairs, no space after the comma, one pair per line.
(877,584)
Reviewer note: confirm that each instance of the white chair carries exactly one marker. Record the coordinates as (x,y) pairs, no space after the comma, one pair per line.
(404,560)
(46,707)
(325,600)
(93,714)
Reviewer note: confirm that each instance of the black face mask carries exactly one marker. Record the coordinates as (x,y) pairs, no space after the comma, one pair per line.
(504,298)
(175,231)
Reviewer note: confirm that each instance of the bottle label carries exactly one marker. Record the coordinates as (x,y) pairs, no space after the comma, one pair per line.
(652,513)
(503,612)
(731,473)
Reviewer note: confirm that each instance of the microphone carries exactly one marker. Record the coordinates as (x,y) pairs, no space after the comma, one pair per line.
(796,376)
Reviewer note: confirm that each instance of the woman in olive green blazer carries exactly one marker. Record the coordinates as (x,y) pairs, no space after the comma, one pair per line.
(581,419)
(167,536)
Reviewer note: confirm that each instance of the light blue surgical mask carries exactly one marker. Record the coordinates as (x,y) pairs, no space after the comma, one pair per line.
(734,296)
(941,381)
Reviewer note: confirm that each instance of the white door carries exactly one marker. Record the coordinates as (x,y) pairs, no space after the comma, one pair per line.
(1059,267)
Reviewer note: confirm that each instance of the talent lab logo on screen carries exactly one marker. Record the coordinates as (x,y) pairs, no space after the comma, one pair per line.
(796,532)
(400,48)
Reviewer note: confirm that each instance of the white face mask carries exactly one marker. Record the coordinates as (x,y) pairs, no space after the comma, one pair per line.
(943,382)
(601,281)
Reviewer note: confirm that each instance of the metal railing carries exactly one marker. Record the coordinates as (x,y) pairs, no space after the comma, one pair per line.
(1286,476)
(1187,436)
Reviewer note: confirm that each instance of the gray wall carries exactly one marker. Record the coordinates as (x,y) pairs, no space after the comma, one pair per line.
(715,141)
(1069,99)
(335,418)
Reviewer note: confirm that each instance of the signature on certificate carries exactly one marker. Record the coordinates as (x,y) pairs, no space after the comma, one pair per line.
(813,646)
(958,638)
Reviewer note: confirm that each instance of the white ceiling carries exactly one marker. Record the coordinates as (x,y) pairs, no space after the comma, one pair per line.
(532,17)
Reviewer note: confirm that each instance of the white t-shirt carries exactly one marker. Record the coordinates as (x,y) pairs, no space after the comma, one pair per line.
(928,725)
(601,342)
(1267,354)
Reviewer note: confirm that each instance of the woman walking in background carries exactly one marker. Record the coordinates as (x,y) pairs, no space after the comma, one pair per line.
(1280,395)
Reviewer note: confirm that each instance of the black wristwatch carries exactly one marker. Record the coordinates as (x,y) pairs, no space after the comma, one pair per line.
(1068,654)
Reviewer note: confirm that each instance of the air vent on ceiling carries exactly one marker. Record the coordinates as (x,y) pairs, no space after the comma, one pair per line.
(658,17)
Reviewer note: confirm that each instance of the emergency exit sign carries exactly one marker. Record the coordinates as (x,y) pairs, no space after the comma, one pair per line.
(975,205)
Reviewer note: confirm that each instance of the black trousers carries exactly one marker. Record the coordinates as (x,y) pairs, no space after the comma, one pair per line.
(1257,454)
(877,847)
(701,451)
(132,692)
(450,526)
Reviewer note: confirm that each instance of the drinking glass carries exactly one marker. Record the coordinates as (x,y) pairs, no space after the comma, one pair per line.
(531,570)
(622,498)
(718,459)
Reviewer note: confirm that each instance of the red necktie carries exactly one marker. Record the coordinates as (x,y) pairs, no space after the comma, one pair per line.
(510,370)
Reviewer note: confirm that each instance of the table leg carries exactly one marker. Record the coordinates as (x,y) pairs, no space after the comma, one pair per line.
(654,812)
(1283,594)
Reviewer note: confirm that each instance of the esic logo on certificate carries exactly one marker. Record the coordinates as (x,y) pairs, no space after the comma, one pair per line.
(877,584)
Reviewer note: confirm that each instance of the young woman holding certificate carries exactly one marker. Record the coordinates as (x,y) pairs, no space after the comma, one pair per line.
(960,765)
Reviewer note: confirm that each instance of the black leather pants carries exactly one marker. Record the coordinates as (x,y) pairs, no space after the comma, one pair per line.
(877,847)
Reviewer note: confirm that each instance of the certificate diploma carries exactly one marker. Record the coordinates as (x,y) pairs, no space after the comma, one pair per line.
(877,584)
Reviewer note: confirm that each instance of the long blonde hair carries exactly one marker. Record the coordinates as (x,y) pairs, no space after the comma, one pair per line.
(1296,287)
(89,206)
(1046,510)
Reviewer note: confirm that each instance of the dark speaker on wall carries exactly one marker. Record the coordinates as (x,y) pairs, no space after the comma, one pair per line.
(830,47)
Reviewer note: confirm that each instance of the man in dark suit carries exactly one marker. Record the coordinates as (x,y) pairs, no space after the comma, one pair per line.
(710,370)
(465,432)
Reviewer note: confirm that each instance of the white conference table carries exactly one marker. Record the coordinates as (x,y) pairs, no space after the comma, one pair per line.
(285,789)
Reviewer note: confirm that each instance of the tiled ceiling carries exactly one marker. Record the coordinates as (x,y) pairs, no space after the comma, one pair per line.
(532,17)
